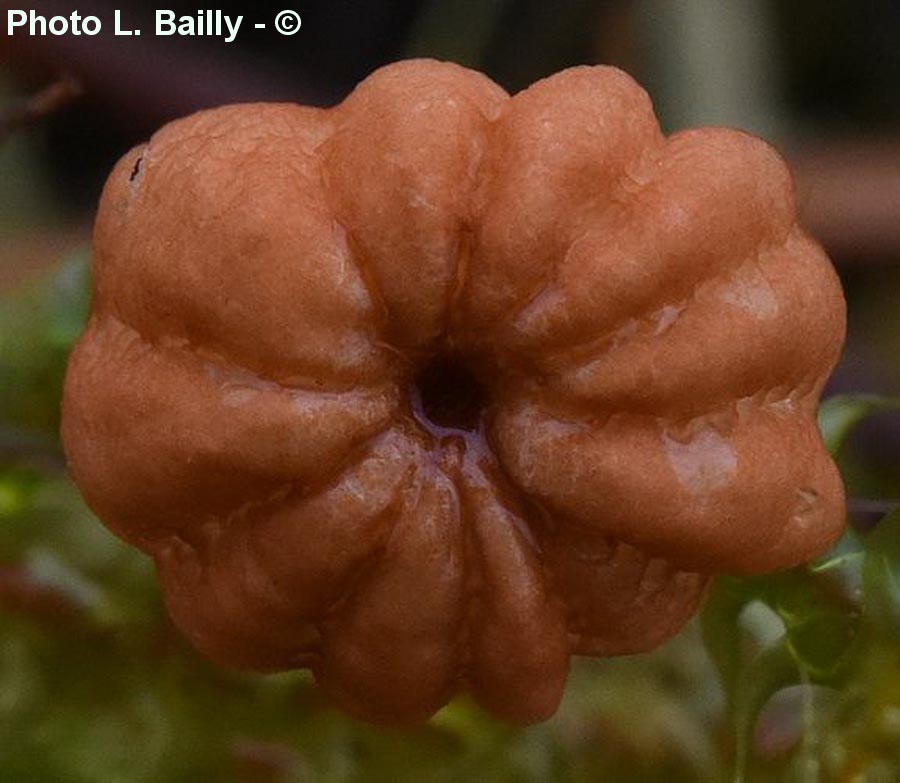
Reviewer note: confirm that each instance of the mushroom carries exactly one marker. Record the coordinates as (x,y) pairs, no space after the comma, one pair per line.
(434,389)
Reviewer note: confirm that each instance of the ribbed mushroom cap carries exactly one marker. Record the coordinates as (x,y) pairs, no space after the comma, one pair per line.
(432,390)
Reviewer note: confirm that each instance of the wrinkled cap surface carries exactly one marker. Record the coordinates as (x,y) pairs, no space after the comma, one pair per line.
(432,390)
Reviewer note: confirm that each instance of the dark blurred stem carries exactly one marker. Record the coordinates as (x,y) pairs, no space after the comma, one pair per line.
(872,507)
(23,447)
(34,109)
(22,594)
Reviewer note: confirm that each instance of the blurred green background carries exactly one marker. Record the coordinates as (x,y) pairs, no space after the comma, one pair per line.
(794,677)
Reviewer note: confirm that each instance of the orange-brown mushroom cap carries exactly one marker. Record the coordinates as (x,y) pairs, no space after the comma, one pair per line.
(432,390)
